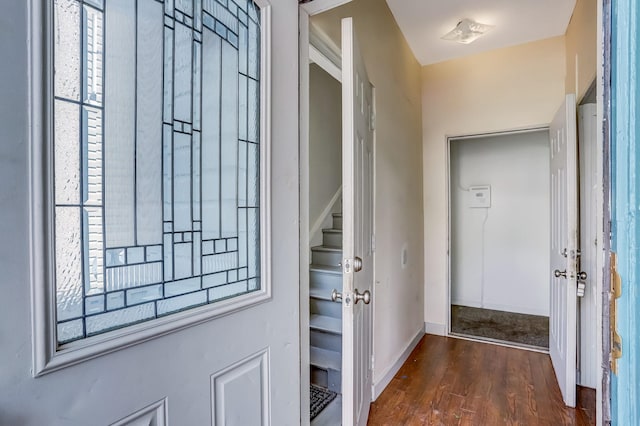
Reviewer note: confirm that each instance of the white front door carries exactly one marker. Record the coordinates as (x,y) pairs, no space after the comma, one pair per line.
(564,248)
(149,213)
(357,204)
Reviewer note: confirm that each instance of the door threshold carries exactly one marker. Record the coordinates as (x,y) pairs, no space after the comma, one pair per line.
(497,342)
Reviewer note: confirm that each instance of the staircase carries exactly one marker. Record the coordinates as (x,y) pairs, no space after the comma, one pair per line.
(325,274)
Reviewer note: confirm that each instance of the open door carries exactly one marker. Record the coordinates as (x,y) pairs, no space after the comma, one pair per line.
(137,161)
(564,248)
(357,184)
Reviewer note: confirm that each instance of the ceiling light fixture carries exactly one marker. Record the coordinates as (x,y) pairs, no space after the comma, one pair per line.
(467,31)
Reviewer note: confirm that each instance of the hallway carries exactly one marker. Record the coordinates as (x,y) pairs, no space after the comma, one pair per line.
(448,381)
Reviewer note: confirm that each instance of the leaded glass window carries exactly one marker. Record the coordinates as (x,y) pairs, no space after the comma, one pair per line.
(156,158)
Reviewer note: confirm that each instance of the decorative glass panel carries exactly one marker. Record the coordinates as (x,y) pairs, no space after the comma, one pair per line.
(156,158)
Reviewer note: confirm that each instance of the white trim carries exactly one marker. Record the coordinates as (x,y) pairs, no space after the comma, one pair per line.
(47,356)
(325,213)
(488,341)
(601,364)
(318,6)
(305,340)
(316,56)
(449,138)
(435,329)
(379,387)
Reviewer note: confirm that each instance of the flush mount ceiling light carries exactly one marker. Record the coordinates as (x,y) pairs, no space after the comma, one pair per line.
(467,31)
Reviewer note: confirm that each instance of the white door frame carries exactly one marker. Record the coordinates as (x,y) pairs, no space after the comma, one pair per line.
(324,56)
(451,138)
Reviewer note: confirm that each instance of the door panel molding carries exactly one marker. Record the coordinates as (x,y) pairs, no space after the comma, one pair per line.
(241,384)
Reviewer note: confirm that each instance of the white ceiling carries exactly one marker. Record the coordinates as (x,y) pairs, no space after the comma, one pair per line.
(423,22)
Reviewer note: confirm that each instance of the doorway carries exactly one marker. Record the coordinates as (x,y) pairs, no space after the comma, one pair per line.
(499,216)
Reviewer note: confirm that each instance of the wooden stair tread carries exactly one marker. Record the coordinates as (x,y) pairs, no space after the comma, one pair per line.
(325,323)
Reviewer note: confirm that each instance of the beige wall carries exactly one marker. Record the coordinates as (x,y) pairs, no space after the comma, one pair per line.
(581,43)
(325,140)
(395,74)
(505,89)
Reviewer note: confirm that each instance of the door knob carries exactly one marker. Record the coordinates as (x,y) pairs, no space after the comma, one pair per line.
(582,276)
(357,264)
(335,296)
(364,296)
(557,273)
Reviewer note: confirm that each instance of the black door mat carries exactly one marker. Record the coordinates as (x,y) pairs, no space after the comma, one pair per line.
(320,398)
(530,330)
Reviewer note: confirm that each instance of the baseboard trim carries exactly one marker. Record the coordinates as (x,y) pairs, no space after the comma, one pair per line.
(433,328)
(380,386)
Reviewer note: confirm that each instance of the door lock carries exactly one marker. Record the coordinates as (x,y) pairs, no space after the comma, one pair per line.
(357,264)
(558,273)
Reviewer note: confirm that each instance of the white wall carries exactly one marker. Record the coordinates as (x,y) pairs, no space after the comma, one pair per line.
(325,140)
(398,298)
(500,254)
(515,87)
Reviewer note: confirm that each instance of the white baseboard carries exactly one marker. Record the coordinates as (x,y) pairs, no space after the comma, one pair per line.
(433,328)
(391,372)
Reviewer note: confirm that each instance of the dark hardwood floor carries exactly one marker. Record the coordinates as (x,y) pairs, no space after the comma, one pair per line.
(448,381)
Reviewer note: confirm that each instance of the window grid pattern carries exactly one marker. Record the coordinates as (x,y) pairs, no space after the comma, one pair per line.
(156,158)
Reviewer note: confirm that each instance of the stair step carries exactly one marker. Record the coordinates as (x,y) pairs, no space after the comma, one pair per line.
(326,269)
(337,220)
(321,294)
(325,359)
(332,237)
(322,255)
(331,415)
(325,323)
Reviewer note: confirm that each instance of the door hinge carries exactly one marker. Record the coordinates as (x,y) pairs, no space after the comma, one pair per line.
(615,293)
(372,361)
(372,121)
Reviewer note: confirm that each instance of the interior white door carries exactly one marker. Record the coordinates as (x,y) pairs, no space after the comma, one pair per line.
(357,204)
(564,248)
(242,366)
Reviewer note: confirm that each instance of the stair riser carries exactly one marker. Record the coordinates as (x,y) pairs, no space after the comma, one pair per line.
(329,341)
(319,377)
(337,222)
(332,239)
(330,379)
(329,258)
(325,282)
(326,307)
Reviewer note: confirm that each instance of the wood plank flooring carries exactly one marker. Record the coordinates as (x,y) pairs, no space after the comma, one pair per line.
(448,381)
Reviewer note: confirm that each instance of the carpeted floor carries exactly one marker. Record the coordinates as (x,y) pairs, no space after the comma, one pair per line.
(320,398)
(531,330)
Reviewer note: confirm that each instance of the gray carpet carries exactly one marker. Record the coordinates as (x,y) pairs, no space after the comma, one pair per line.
(320,398)
(531,330)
